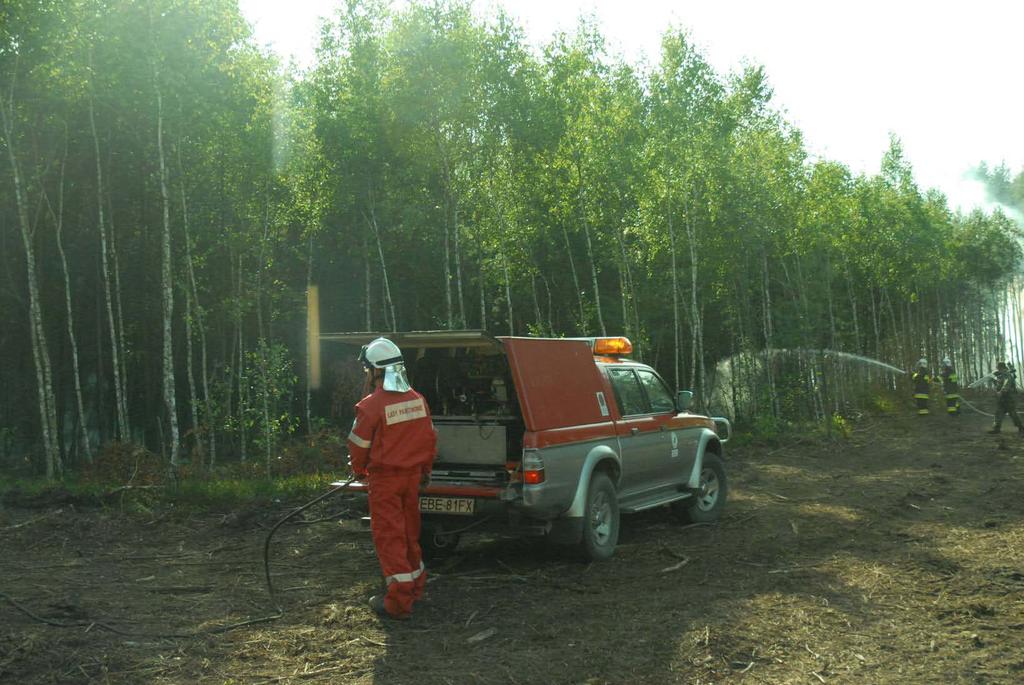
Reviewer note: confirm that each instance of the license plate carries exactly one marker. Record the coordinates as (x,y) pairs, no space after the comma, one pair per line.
(447,505)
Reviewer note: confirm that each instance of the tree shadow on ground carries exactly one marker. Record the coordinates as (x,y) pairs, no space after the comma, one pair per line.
(854,560)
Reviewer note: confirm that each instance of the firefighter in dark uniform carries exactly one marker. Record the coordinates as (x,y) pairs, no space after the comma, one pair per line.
(392,446)
(922,386)
(1006,397)
(950,388)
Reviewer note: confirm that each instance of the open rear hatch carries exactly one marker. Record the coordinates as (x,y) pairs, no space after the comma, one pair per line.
(466,380)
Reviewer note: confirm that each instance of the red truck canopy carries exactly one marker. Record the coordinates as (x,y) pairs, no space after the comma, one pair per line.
(556,379)
(551,376)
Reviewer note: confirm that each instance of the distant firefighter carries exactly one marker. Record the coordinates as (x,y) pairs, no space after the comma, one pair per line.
(922,386)
(950,387)
(1006,397)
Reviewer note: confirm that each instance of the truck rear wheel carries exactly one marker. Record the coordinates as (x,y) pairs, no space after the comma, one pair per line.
(600,519)
(436,544)
(706,505)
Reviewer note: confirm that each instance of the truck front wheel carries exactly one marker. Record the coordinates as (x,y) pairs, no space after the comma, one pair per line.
(706,504)
(600,519)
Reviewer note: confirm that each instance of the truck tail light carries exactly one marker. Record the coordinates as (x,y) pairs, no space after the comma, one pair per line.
(533,468)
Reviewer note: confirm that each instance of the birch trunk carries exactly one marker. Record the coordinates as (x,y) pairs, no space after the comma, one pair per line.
(630,307)
(194,319)
(58,224)
(766,305)
(696,322)
(193,397)
(575,281)
(448,277)
(389,303)
(550,319)
(243,395)
(874,322)
(40,351)
(200,320)
(537,316)
(628,290)
(624,302)
(853,314)
(590,255)
(448,208)
(508,292)
(675,285)
(483,299)
(369,285)
(458,267)
(263,347)
(309,343)
(119,310)
(115,338)
(167,283)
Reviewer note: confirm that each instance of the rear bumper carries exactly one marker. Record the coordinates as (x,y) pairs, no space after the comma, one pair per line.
(502,507)
(474,491)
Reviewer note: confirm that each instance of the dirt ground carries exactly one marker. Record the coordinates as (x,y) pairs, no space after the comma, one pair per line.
(896,555)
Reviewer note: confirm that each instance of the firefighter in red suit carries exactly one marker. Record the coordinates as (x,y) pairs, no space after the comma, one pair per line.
(392,446)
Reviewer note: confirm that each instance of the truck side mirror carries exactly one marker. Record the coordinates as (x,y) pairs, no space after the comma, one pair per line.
(683,400)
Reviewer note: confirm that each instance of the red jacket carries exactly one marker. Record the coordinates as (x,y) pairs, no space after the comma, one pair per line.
(392,430)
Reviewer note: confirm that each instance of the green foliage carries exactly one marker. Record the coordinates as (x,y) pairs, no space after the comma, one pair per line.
(272,382)
(886,404)
(840,426)
(227,491)
(434,170)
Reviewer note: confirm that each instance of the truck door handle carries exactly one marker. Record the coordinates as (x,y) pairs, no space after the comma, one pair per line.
(634,430)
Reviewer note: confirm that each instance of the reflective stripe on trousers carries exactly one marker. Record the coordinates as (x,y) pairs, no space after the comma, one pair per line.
(406,577)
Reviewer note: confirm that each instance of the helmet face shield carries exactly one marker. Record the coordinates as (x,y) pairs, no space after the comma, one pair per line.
(395,378)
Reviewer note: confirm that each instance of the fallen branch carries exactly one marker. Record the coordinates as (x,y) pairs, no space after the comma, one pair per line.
(482,635)
(307,674)
(794,568)
(33,520)
(676,567)
(130,487)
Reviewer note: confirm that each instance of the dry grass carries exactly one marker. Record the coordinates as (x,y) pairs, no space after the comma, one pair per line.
(894,556)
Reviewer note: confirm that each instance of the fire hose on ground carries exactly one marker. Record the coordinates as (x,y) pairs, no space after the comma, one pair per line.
(278,610)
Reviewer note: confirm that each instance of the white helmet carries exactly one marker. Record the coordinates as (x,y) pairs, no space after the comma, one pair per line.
(384,354)
(947,362)
(922,363)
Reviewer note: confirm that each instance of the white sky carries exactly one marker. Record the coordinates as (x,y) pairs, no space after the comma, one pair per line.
(946,77)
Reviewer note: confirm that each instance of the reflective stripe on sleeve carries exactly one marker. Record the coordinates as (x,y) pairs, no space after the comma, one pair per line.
(358,441)
(405,577)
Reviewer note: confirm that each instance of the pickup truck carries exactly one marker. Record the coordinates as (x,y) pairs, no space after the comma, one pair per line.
(555,437)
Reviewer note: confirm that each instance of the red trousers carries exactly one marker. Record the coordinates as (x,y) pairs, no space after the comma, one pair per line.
(395,524)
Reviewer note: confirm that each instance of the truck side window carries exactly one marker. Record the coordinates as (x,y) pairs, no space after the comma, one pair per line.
(628,393)
(657,393)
